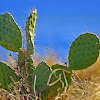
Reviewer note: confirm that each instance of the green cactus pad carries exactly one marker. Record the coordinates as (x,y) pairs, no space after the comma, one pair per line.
(5,73)
(84,51)
(10,34)
(42,73)
(58,85)
(57,66)
(30,27)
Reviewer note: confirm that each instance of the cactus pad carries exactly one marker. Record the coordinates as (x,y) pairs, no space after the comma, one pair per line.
(57,66)
(30,27)
(58,85)
(84,51)
(5,73)
(10,34)
(42,73)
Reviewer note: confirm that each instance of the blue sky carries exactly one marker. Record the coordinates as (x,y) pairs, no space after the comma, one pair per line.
(59,22)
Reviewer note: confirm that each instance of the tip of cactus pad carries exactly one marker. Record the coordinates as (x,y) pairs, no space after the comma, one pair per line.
(34,11)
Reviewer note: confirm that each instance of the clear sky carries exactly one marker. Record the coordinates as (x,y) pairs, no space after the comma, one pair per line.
(58,22)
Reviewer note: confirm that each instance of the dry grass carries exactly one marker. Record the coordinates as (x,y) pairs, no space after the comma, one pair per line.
(85,83)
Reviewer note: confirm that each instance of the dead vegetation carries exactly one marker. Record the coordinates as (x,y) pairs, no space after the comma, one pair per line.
(85,84)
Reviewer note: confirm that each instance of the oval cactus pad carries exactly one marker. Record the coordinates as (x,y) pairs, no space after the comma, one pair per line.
(84,51)
(10,34)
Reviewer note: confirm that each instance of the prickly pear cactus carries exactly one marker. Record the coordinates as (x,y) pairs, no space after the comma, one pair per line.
(11,39)
(10,34)
(30,27)
(84,51)
(5,73)
(47,81)
(42,73)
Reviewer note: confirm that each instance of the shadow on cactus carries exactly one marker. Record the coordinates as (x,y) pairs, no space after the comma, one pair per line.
(42,81)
